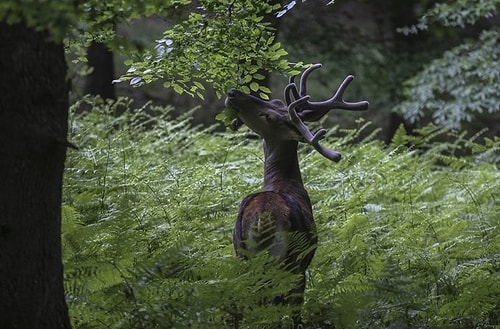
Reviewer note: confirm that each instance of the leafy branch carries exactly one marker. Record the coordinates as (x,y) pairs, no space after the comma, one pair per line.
(226,44)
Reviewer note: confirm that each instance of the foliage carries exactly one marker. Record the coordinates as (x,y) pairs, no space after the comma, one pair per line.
(408,232)
(226,43)
(460,84)
(222,43)
(457,13)
(82,21)
(53,15)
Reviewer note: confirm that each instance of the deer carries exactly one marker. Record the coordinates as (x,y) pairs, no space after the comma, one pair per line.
(279,219)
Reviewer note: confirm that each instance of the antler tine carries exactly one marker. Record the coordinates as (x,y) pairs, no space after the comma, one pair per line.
(291,88)
(337,100)
(327,153)
(306,133)
(303,78)
(291,91)
(299,124)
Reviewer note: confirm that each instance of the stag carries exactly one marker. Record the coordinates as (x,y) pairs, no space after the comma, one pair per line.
(279,220)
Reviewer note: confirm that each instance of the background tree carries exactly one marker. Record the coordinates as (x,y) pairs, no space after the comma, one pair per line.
(99,80)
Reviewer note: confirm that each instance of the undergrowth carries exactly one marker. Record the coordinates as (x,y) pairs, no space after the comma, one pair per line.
(409,232)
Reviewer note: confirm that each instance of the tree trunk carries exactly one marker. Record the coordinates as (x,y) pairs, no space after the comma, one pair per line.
(33,127)
(100,58)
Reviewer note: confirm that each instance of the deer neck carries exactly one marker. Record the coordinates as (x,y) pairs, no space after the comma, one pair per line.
(281,168)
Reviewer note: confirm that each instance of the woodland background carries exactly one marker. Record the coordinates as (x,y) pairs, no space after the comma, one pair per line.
(408,220)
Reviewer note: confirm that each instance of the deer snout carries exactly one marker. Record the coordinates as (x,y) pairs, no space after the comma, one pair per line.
(233,93)
(240,100)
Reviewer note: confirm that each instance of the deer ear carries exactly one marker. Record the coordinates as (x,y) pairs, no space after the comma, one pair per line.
(277,103)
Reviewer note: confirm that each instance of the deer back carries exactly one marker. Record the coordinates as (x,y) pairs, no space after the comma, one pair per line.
(278,223)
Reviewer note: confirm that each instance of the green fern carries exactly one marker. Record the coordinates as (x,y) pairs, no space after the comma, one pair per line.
(408,233)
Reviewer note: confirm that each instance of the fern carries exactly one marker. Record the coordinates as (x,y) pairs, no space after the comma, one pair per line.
(408,233)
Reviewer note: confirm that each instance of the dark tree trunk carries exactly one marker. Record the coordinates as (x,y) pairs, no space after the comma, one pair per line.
(100,58)
(33,127)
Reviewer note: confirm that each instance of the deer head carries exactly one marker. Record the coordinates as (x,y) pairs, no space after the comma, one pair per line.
(286,121)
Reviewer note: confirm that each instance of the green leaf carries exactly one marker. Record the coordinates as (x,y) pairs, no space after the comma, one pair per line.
(199,85)
(254,86)
(264,96)
(258,76)
(178,89)
(264,89)
(245,89)
(227,116)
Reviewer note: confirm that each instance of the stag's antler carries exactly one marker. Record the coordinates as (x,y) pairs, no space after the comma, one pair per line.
(310,138)
(301,109)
